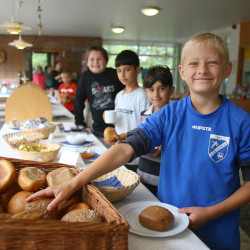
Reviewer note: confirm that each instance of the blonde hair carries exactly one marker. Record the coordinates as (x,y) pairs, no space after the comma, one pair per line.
(209,39)
(39,70)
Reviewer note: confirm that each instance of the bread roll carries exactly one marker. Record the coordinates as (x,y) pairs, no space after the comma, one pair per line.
(31,179)
(79,206)
(41,206)
(7,194)
(59,176)
(110,134)
(7,174)
(17,203)
(157,218)
(82,215)
(122,136)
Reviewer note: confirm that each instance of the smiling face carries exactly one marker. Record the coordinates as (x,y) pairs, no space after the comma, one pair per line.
(127,74)
(159,95)
(203,68)
(96,62)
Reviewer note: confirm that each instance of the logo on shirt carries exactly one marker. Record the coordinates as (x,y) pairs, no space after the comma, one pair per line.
(218,147)
(125,111)
(201,128)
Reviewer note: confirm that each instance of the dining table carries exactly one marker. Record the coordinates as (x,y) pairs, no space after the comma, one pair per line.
(185,239)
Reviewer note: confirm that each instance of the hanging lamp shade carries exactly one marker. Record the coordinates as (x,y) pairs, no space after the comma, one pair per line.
(20,44)
(14,27)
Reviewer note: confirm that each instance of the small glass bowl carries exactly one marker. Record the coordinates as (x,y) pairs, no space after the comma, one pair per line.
(87,154)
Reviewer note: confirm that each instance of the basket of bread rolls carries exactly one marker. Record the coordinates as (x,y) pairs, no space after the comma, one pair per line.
(117,184)
(39,125)
(87,220)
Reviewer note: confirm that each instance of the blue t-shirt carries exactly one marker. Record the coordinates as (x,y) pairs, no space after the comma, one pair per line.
(201,156)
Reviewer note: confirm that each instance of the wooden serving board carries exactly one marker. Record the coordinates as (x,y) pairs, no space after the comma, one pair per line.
(27,102)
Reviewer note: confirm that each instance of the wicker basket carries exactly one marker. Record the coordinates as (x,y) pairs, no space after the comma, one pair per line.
(44,131)
(127,178)
(112,233)
(41,156)
(20,138)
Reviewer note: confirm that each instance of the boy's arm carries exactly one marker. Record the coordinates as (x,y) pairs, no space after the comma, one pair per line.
(113,158)
(201,215)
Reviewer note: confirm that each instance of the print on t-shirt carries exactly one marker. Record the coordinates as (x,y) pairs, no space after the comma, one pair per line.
(102,96)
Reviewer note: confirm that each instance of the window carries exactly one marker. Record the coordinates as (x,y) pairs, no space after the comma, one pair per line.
(150,54)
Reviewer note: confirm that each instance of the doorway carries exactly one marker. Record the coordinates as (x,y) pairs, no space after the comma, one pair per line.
(34,59)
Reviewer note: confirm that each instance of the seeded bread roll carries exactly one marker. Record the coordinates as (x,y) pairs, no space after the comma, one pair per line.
(82,215)
(7,174)
(17,203)
(157,218)
(41,206)
(59,176)
(31,179)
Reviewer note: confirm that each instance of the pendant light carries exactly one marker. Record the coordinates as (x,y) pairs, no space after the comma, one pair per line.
(20,44)
(12,26)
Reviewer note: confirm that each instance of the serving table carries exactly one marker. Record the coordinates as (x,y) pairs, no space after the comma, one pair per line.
(184,240)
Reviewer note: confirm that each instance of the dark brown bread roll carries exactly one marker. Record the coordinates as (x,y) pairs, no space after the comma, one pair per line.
(157,218)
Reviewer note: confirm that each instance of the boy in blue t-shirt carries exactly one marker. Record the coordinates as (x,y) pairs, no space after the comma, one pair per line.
(205,139)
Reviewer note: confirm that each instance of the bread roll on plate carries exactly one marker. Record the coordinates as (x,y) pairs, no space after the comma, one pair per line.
(157,218)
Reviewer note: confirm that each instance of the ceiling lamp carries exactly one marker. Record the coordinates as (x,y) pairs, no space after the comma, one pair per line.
(117,29)
(12,26)
(20,44)
(150,11)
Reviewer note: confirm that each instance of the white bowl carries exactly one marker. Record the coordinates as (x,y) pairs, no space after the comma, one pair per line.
(76,138)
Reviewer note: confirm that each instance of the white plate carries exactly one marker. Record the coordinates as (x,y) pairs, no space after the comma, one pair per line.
(131,213)
(86,143)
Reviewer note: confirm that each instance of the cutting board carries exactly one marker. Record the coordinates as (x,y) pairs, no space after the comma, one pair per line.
(27,102)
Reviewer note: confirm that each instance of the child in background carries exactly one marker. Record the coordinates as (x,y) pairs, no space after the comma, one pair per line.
(49,79)
(39,77)
(205,139)
(158,84)
(99,85)
(130,102)
(67,91)
(57,80)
